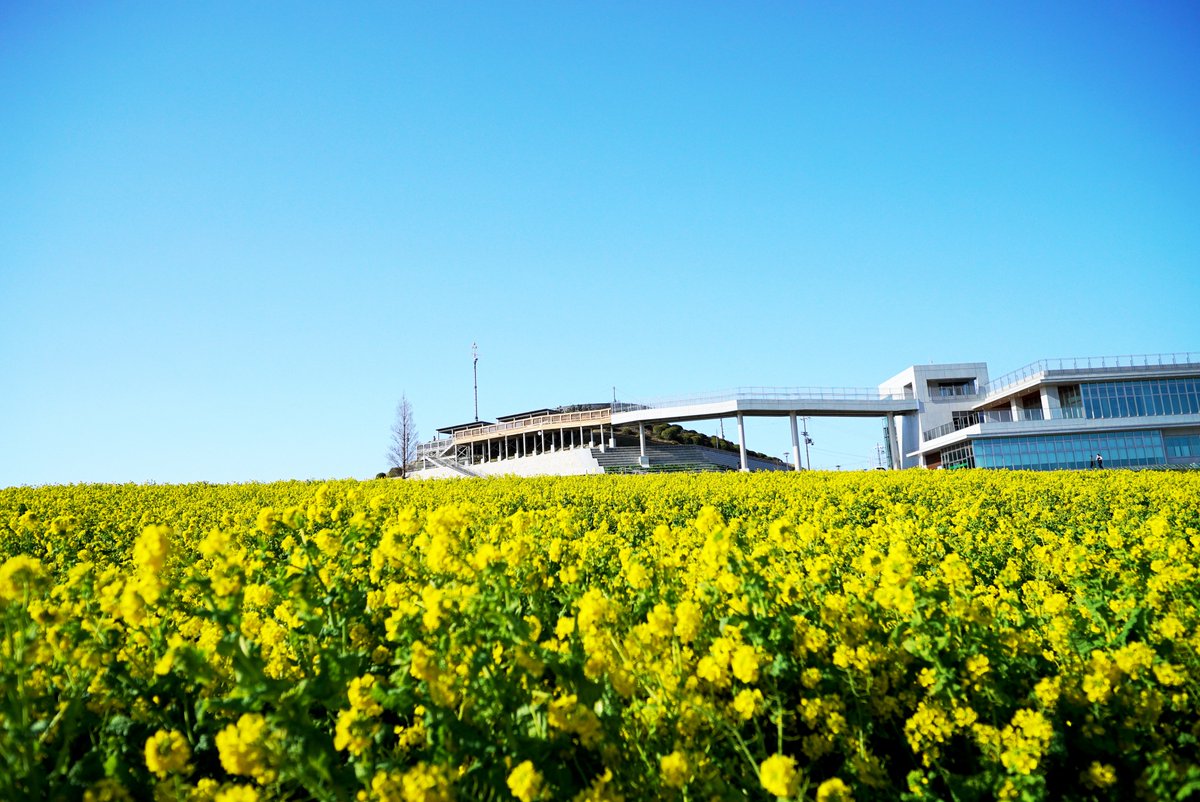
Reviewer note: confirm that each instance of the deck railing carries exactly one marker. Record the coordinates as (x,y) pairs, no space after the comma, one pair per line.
(1019,375)
(1000,416)
(436,447)
(552,421)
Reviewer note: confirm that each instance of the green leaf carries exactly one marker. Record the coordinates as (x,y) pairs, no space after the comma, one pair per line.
(119,726)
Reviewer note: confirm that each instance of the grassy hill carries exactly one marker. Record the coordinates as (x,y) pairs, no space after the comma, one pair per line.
(673,434)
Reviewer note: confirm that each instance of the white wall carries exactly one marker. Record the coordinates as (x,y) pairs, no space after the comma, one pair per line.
(933,411)
(572,461)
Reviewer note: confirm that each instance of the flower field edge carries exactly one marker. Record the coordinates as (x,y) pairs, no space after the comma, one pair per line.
(911,635)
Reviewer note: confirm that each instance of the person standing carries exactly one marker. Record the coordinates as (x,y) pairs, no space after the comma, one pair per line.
(1099,461)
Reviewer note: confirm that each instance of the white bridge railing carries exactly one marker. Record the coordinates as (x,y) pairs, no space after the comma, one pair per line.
(798,394)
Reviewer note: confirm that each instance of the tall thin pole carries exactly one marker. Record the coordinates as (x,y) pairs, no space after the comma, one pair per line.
(475,367)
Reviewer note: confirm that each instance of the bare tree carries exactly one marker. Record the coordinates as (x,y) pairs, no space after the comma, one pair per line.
(402,449)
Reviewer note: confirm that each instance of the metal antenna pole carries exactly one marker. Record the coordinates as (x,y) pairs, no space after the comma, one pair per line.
(475,367)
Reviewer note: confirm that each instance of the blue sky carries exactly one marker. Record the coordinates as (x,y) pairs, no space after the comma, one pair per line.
(232,234)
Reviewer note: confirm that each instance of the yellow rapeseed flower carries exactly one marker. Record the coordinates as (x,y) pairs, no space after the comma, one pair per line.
(525,782)
(1099,775)
(834,790)
(243,748)
(745,663)
(746,702)
(167,752)
(150,550)
(237,793)
(17,573)
(978,665)
(674,769)
(779,775)
(688,619)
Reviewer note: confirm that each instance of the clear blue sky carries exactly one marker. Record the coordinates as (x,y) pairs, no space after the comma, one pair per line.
(232,234)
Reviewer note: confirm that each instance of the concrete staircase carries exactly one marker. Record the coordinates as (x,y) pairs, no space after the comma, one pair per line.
(450,465)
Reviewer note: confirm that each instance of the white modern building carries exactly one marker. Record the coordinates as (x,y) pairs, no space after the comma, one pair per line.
(1112,412)
(1115,412)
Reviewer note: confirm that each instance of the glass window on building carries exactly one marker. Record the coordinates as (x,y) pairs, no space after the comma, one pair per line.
(961,456)
(1122,399)
(1183,449)
(1072,451)
(1069,397)
(949,388)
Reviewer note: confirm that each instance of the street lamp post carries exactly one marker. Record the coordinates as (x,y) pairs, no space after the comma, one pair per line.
(475,368)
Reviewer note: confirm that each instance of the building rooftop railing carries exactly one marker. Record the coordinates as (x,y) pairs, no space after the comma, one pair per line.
(558,419)
(1019,375)
(764,394)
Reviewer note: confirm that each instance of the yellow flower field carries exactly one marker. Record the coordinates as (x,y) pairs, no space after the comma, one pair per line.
(918,635)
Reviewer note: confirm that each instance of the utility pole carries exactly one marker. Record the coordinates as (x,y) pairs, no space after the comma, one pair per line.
(808,441)
(475,366)
(879,455)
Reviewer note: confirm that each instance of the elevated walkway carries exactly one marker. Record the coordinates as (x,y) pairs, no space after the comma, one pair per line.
(766,401)
(790,402)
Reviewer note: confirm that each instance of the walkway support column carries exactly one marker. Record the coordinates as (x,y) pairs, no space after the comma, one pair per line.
(894,443)
(642,459)
(742,442)
(795,441)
